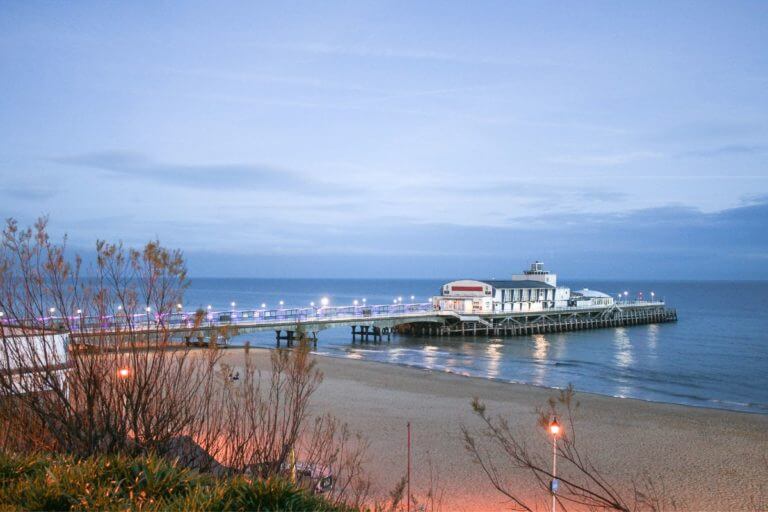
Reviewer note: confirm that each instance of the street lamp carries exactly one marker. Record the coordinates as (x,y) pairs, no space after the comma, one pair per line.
(263,305)
(233,305)
(354,302)
(399,299)
(413,297)
(554,429)
(124,373)
(281,303)
(365,300)
(324,301)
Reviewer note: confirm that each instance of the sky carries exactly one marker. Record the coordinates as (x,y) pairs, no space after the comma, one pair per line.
(622,140)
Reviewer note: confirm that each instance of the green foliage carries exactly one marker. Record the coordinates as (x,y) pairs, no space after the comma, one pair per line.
(41,482)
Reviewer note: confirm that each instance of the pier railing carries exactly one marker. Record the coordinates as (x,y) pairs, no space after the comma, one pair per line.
(211,318)
(267,316)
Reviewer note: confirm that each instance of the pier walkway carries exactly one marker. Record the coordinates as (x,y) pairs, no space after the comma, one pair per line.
(370,323)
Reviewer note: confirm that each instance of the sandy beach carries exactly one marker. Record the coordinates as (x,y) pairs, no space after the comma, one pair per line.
(708,459)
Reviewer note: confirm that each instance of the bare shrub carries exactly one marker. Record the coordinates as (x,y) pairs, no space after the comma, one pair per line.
(499,450)
(95,365)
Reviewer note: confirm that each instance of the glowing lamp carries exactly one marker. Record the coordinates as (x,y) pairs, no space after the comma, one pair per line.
(123,373)
(79,311)
(148,309)
(324,301)
(554,427)
(263,305)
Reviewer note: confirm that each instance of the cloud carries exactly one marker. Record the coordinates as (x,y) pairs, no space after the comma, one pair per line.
(726,150)
(201,176)
(379,52)
(28,193)
(671,242)
(607,160)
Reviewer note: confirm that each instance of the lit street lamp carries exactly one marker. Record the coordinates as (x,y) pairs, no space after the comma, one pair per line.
(324,301)
(124,373)
(413,297)
(554,429)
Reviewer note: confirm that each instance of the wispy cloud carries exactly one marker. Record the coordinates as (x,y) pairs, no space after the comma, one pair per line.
(201,176)
(607,159)
(381,52)
(726,150)
(27,193)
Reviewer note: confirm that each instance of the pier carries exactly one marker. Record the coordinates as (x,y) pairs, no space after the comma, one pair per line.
(368,324)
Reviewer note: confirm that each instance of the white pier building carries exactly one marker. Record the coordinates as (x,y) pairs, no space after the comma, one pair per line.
(534,290)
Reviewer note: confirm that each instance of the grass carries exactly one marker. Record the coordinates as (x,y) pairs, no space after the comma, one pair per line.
(58,482)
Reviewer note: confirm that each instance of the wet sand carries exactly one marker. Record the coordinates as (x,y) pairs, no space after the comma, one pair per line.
(708,459)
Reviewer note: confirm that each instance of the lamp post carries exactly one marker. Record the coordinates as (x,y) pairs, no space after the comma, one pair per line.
(554,429)
(148,309)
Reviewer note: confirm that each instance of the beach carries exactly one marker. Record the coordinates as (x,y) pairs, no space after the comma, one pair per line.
(706,459)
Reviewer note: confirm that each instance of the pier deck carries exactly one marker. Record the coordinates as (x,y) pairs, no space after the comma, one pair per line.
(373,323)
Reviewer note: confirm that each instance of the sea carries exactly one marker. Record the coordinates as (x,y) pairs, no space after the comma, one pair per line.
(715,355)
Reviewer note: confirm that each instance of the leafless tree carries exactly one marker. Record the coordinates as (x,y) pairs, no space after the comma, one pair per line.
(499,449)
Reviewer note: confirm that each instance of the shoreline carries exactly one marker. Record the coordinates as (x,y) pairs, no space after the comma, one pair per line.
(708,458)
(511,382)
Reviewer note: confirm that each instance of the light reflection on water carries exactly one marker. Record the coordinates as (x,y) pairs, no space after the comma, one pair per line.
(700,360)
(623,354)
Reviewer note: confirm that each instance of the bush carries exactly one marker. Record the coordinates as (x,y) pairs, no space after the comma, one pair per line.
(56,482)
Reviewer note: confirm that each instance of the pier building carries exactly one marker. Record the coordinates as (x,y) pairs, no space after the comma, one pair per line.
(533,290)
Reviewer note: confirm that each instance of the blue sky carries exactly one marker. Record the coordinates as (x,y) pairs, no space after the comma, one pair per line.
(435,139)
